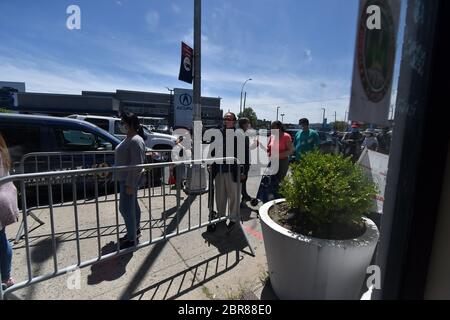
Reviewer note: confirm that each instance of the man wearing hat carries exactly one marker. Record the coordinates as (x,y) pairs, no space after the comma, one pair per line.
(352,141)
(370,142)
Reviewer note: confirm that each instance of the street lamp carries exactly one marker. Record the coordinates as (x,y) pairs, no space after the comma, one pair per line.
(323,118)
(282,117)
(278,108)
(242,91)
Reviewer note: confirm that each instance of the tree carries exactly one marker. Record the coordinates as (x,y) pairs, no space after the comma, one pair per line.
(339,126)
(251,115)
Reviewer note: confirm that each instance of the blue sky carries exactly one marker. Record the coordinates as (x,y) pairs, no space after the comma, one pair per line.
(298,52)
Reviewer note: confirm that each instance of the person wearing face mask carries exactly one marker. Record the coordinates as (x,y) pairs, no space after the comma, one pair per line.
(130,152)
(228,177)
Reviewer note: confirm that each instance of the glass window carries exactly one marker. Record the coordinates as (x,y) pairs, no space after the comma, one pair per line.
(77,140)
(119,128)
(21,140)
(101,123)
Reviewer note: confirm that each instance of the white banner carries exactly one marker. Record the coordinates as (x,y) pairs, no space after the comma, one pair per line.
(374,64)
(183,108)
(375,166)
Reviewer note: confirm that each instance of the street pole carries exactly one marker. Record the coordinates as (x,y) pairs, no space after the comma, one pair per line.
(196,148)
(197,58)
(196,181)
(242,92)
(278,108)
(245,101)
(282,117)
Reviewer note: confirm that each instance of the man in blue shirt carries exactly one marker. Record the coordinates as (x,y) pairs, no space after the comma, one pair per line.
(306,140)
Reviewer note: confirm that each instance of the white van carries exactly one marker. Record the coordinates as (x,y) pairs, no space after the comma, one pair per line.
(155,141)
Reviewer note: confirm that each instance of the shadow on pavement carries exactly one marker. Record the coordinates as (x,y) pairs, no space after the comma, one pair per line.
(111,269)
(155,252)
(212,269)
(235,241)
(40,254)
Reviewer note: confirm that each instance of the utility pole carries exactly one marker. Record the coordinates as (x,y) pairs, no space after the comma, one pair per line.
(245,101)
(197,59)
(196,181)
(242,92)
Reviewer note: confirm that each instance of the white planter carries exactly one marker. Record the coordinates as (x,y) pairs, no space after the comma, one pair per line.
(304,268)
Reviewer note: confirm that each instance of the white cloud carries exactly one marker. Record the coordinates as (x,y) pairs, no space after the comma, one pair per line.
(152,19)
(308,55)
(119,3)
(176,8)
(299,95)
(56,78)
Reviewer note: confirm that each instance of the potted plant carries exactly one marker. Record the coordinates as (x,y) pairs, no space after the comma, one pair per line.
(318,242)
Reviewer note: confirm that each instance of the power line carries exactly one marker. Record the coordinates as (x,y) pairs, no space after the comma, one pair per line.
(301,102)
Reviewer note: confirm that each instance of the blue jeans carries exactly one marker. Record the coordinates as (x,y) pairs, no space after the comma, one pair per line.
(130,210)
(5,256)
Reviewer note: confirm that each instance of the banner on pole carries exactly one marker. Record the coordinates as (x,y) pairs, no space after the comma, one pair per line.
(186,68)
(374,63)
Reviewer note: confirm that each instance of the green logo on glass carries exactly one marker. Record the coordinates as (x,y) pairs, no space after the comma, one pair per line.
(376,53)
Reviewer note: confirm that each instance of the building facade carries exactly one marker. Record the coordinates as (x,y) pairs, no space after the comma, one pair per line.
(143,104)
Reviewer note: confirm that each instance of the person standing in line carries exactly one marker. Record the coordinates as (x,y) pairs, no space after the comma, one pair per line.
(9,213)
(130,152)
(306,140)
(370,142)
(244,125)
(384,141)
(228,178)
(279,149)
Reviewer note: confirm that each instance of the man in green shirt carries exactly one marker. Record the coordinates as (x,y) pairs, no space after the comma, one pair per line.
(306,140)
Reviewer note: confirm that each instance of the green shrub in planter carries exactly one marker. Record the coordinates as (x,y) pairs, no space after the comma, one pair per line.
(326,197)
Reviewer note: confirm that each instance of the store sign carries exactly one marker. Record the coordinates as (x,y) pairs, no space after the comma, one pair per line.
(183,108)
(374,61)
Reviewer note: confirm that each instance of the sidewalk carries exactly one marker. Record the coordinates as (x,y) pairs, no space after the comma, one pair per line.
(195,265)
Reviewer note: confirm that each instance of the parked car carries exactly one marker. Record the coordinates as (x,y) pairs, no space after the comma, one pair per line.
(327,143)
(163,128)
(28,133)
(156,141)
(25,134)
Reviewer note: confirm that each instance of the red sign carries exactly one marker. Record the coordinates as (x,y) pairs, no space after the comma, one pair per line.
(186,68)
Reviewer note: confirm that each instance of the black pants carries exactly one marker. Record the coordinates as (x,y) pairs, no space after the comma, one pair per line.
(244,192)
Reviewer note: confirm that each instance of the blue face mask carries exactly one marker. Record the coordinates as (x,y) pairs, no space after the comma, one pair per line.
(354,130)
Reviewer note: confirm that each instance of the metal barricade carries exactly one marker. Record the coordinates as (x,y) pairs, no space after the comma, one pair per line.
(176,218)
(63,161)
